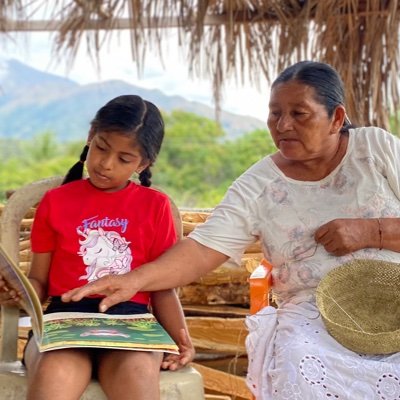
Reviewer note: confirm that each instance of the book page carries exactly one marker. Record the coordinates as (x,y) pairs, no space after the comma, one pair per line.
(16,280)
(130,332)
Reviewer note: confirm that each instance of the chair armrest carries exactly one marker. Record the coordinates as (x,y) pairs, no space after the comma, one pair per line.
(260,282)
(9,334)
(10,221)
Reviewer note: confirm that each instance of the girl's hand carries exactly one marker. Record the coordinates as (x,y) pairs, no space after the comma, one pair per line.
(185,356)
(8,296)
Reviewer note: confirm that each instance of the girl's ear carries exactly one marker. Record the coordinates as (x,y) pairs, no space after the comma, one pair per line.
(142,167)
(338,119)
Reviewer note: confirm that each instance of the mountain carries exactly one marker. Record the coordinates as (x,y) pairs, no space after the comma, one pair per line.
(33,101)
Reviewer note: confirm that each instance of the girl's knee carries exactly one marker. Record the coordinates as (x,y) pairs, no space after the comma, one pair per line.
(63,364)
(130,374)
(151,360)
(132,364)
(59,374)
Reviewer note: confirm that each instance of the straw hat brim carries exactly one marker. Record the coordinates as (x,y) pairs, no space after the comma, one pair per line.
(360,305)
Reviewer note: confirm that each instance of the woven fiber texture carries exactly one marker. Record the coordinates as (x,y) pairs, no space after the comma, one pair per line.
(360,305)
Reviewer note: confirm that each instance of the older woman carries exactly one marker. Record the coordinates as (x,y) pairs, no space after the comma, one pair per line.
(329,194)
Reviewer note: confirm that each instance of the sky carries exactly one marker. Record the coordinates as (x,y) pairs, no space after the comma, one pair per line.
(35,50)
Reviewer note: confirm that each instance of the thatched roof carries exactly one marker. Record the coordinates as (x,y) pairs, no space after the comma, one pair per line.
(242,38)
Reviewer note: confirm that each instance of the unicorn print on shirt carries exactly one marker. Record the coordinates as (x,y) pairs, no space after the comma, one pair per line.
(104,253)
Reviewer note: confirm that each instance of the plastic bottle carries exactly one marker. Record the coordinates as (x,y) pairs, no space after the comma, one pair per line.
(260,282)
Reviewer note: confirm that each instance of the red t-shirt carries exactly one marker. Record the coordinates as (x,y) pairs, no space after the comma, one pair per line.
(92,233)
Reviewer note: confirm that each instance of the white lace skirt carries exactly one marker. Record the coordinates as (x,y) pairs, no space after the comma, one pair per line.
(292,357)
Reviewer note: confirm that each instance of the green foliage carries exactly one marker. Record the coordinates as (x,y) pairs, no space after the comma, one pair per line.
(196,164)
(30,160)
(247,150)
(43,147)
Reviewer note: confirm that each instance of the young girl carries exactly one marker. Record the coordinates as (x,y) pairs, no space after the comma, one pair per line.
(103,225)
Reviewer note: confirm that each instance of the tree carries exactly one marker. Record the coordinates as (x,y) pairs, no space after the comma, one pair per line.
(190,159)
(196,164)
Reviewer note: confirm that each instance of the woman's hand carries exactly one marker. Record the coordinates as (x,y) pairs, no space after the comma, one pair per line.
(115,288)
(343,236)
(8,296)
(185,356)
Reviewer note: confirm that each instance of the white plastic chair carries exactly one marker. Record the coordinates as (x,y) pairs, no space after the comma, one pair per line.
(185,384)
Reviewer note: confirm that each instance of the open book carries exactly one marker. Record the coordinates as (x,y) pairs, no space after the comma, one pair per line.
(73,329)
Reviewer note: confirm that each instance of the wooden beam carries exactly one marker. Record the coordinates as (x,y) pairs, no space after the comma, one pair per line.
(223,382)
(10,25)
(223,311)
(242,15)
(238,16)
(218,334)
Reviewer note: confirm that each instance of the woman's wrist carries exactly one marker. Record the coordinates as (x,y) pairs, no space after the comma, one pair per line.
(385,232)
(142,279)
(135,280)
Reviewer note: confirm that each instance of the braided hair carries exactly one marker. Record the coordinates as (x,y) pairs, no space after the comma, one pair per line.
(129,115)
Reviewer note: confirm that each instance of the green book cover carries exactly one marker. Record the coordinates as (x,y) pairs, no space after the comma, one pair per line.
(129,332)
(73,329)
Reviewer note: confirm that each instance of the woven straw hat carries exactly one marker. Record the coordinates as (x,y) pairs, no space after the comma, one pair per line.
(360,305)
